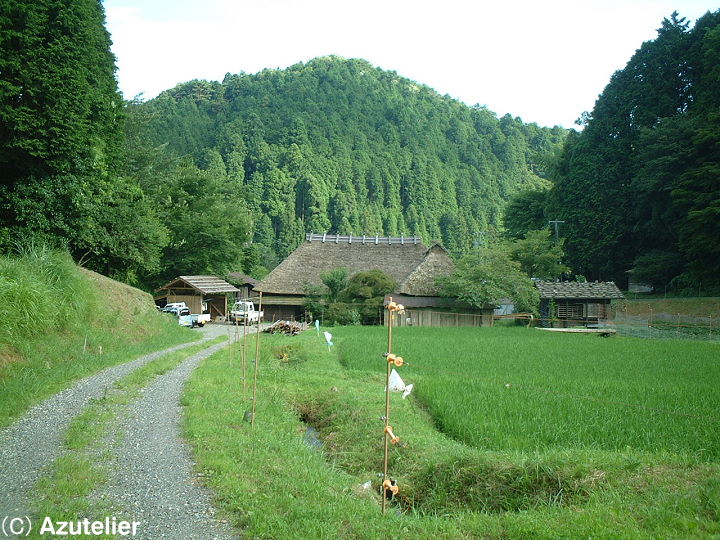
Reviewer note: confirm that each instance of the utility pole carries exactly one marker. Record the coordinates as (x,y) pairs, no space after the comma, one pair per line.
(556,223)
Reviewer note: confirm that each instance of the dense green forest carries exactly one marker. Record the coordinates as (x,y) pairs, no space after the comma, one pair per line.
(216,176)
(339,146)
(639,186)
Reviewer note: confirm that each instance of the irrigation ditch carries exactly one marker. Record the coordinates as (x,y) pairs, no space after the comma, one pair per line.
(449,478)
(327,430)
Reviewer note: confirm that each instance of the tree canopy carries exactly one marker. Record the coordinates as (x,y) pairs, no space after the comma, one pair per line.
(486,276)
(639,187)
(61,140)
(339,146)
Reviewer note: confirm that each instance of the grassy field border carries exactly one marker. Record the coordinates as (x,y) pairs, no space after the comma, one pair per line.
(272,484)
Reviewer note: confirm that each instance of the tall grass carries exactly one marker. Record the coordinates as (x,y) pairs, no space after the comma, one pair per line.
(41,291)
(58,327)
(524,390)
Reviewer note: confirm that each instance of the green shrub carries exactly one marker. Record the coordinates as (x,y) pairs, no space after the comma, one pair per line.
(342,314)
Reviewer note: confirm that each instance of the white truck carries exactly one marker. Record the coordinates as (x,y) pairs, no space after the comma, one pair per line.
(244,311)
(191,320)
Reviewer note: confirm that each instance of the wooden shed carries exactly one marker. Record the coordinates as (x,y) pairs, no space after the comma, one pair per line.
(202,294)
(245,284)
(411,264)
(573,303)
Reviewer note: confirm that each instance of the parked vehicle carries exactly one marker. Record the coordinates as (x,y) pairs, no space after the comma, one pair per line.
(192,320)
(244,312)
(174,307)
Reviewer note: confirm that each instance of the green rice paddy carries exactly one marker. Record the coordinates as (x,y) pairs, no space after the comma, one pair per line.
(521,389)
(509,433)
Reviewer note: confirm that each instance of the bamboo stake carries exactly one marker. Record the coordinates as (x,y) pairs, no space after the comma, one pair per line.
(387,406)
(243,352)
(257,363)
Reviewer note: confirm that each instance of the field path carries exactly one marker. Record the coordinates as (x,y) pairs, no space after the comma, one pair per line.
(152,477)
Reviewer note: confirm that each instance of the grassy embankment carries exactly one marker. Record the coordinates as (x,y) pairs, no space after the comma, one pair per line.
(61,323)
(511,433)
(692,307)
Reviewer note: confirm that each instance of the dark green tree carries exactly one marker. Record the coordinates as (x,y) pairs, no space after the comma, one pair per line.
(367,290)
(525,212)
(486,276)
(61,140)
(642,177)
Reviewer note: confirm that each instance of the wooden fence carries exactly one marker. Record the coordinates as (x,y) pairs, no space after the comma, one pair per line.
(421,317)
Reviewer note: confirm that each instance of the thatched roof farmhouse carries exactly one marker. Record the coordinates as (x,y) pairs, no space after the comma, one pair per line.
(411,264)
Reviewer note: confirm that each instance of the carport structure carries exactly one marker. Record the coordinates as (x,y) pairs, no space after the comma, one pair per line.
(202,294)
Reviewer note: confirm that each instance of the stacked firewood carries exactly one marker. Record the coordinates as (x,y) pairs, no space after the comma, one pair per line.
(289,328)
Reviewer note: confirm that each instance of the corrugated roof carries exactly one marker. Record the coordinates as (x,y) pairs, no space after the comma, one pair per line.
(400,258)
(204,284)
(574,289)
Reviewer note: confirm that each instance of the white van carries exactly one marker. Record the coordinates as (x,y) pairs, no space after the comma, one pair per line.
(174,307)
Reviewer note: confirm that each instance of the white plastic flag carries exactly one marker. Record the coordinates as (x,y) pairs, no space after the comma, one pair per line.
(328,338)
(397,385)
(317,326)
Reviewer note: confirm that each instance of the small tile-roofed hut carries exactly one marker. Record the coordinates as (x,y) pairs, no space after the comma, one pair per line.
(412,265)
(577,303)
(202,294)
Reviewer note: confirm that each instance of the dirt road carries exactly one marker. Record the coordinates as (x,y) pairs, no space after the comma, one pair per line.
(151,471)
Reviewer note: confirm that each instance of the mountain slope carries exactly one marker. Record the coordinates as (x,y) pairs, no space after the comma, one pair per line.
(337,145)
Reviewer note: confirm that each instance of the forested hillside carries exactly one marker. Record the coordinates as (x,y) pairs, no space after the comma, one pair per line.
(337,145)
(211,177)
(639,187)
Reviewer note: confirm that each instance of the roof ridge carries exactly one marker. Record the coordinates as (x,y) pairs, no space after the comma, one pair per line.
(364,239)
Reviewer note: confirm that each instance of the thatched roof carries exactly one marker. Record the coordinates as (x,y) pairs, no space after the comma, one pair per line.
(242,279)
(203,284)
(605,290)
(421,281)
(412,265)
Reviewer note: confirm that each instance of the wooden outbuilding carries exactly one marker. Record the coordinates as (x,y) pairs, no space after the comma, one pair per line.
(411,264)
(202,294)
(245,284)
(573,303)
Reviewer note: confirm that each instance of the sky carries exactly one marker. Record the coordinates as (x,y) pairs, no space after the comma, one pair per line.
(545,61)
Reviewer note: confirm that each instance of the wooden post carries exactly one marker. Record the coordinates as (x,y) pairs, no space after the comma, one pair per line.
(257,363)
(650,321)
(387,405)
(677,325)
(244,355)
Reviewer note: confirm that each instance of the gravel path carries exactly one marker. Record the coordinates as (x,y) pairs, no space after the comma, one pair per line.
(34,441)
(152,478)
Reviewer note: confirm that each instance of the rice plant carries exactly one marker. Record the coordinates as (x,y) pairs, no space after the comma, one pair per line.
(517,389)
